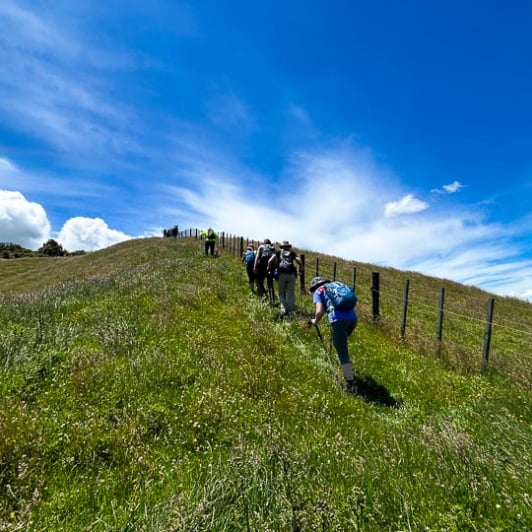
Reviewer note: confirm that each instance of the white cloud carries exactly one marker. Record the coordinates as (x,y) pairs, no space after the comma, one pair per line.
(6,166)
(455,186)
(451,188)
(88,234)
(406,205)
(21,221)
(335,204)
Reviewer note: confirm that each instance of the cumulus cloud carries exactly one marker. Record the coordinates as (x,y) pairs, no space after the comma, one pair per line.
(406,205)
(22,222)
(88,234)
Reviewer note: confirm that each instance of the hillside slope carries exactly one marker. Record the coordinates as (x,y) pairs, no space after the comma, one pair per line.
(144,389)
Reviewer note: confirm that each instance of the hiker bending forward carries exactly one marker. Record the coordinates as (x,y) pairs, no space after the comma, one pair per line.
(342,322)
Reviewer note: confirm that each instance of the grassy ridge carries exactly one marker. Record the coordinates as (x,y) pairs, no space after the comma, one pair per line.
(143,389)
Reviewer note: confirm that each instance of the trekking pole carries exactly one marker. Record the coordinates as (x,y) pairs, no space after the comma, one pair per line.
(328,355)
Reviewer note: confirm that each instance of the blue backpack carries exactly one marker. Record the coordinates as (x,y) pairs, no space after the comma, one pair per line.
(342,296)
(249,257)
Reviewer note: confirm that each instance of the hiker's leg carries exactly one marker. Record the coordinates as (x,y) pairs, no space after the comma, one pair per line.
(206,248)
(259,279)
(271,290)
(290,293)
(281,289)
(340,331)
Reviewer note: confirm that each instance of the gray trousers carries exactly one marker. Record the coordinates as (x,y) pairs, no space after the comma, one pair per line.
(286,286)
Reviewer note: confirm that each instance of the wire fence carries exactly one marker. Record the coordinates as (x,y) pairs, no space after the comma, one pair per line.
(460,324)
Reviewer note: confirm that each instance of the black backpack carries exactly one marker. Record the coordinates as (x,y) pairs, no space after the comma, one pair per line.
(286,261)
(267,251)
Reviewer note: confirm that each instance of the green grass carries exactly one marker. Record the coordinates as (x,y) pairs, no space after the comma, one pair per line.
(143,389)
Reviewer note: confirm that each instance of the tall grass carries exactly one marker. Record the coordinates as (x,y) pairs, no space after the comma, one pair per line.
(144,389)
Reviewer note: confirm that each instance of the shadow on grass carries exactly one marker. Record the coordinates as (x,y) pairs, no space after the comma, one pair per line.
(373,392)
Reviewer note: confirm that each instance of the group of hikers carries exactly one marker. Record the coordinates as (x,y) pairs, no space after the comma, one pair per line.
(267,265)
(334,299)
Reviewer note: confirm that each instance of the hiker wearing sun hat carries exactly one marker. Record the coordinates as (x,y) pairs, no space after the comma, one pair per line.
(342,319)
(282,263)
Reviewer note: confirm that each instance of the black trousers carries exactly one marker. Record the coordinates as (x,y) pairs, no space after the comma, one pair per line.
(209,246)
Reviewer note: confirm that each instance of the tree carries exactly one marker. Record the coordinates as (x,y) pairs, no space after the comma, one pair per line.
(52,249)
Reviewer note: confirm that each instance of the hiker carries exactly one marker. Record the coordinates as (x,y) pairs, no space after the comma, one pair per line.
(264,253)
(248,260)
(342,322)
(283,268)
(210,240)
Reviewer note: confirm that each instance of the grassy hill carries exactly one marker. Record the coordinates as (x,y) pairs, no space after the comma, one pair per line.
(143,388)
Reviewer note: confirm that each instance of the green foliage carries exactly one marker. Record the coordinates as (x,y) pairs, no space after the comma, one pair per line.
(9,250)
(143,389)
(51,248)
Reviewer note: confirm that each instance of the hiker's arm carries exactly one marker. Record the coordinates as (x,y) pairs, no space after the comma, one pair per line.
(257,257)
(300,264)
(319,313)
(272,262)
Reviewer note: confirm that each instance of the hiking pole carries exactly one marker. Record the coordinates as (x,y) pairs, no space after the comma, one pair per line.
(328,355)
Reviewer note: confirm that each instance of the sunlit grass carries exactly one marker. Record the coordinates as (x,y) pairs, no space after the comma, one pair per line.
(144,389)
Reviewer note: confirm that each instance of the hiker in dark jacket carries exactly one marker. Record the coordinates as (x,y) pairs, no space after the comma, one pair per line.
(283,267)
(342,322)
(263,255)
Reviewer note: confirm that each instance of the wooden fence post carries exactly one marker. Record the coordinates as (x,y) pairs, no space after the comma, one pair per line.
(487,332)
(354,278)
(302,275)
(317,267)
(405,308)
(334,272)
(440,314)
(241,246)
(375,283)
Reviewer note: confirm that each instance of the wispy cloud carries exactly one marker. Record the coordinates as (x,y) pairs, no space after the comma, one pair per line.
(451,188)
(7,167)
(455,186)
(333,205)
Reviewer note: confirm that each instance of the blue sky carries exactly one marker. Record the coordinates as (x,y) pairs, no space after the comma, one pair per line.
(394,133)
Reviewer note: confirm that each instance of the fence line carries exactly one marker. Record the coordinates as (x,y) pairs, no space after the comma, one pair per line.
(235,245)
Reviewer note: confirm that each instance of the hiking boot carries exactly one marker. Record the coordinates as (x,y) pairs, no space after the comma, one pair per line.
(352,386)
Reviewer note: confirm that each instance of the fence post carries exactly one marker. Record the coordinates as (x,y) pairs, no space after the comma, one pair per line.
(317,267)
(334,272)
(375,283)
(440,314)
(487,332)
(354,278)
(405,309)
(302,275)
(241,246)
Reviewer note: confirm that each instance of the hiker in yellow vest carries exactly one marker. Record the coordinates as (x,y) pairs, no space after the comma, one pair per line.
(210,240)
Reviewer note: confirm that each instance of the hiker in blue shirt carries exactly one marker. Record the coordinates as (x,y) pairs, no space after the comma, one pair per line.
(342,322)
(248,260)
